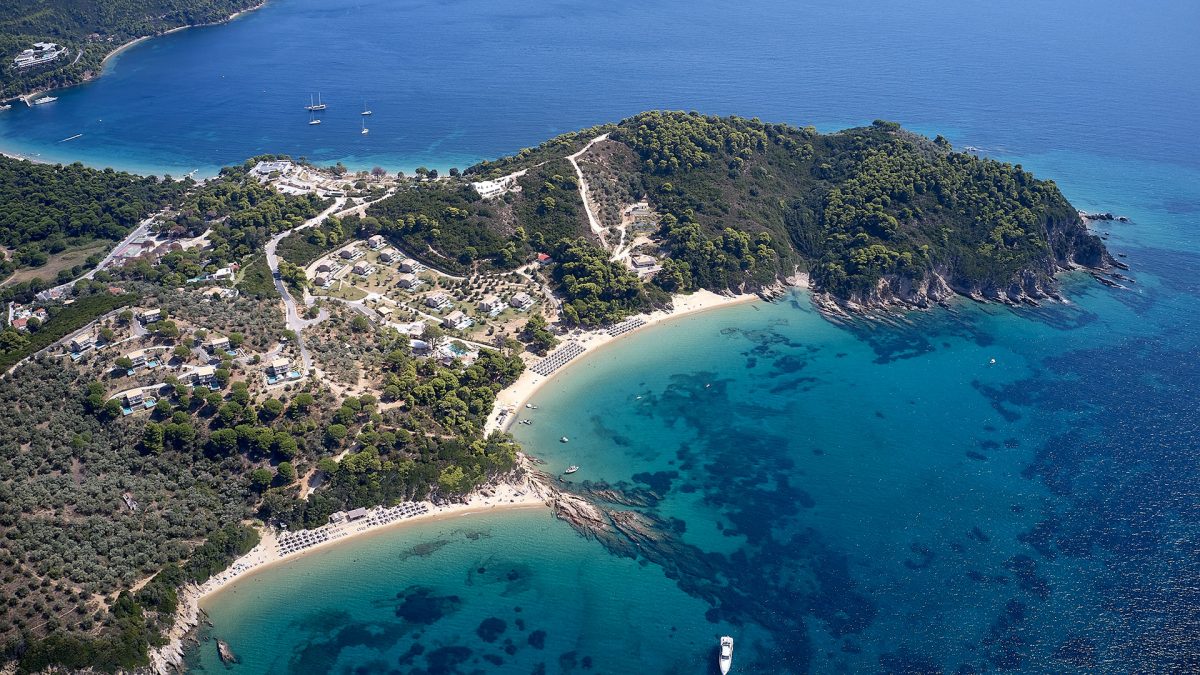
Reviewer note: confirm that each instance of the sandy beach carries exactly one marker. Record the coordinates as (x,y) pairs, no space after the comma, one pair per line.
(526,494)
(517,394)
(267,553)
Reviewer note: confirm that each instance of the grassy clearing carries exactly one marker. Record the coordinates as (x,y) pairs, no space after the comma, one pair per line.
(59,261)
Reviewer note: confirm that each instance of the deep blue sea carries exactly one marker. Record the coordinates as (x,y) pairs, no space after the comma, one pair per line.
(866,497)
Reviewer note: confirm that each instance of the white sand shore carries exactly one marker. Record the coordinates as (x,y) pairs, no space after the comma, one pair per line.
(167,659)
(516,395)
(524,494)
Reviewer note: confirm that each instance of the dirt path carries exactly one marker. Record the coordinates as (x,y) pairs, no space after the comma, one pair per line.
(593,221)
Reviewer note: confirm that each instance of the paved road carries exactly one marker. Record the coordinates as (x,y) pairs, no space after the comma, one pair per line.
(295,322)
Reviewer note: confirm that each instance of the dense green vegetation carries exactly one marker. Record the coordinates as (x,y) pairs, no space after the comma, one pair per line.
(854,207)
(869,212)
(90,29)
(596,290)
(93,301)
(48,208)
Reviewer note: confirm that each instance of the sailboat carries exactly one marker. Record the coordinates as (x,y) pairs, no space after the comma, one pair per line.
(364,128)
(313,107)
(313,119)
(365,111)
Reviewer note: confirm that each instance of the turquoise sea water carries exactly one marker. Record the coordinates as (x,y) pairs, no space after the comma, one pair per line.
(841,498)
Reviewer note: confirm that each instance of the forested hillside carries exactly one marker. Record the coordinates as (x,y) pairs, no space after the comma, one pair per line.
(875,214)
(90,29)
(48,208)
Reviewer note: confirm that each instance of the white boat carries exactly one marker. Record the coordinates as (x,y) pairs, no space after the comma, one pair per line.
(564,439)
(365,130)
(45,99)
(313,107)
(725,660)
(571,469)
(365,111)
(6,106)
(314,120)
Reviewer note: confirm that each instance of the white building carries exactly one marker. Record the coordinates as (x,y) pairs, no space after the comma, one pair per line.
(409,265)
(643,261)
(521,300)
(362,269)
(438,300)
(150,316)
(82,343)
(388,256)
(217,344)
(490,304)
(203,375)
(409,281)
(278,367)
(41,54)
(457,320)
(376,242)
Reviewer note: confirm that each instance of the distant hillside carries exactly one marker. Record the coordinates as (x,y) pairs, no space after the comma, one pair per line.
(874,215)
(90,29)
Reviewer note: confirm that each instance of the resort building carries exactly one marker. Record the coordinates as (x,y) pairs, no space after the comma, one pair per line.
(362,269)
(438,300)
(376,242)
(347,254)
(409,265)
(409,281)
(643,261)
(204,375)
(217,344)
(457,320)
(388,256)
(150,316)
(134,398)
(264,169)
(41,54)
(82,343)
(278,367)
(356,514)
(490,304)
(138,358)
(322,281)
(521,300)
(324,267)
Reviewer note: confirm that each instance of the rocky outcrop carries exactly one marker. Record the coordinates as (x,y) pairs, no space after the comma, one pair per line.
(1072,247)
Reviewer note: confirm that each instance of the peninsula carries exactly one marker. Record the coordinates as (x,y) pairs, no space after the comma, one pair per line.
(286,346)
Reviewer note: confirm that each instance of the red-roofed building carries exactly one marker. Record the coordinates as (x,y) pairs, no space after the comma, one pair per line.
(542,258)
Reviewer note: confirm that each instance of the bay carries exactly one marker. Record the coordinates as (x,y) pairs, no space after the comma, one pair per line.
(865,496)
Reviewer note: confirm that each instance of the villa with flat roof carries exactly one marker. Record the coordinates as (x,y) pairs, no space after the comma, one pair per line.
(217,344)
(82,343)
(150,315)
(409,265)
(521,300)
(204,375)
(409,281)
(438,300)
(278,367)
(457,320)
(491,304)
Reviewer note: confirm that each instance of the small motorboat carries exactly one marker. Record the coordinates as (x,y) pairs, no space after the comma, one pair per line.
(571,469)
(725,660)
(564,439)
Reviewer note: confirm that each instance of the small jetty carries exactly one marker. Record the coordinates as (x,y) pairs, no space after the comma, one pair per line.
(226,654)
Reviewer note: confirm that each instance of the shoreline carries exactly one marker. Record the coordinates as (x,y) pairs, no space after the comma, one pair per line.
(510,399)
(525,493)
(504,496)
(27,97)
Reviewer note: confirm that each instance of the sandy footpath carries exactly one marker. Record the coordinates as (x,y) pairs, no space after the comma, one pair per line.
(515,396)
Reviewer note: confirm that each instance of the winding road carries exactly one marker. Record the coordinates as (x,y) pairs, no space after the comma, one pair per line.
(295,322)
